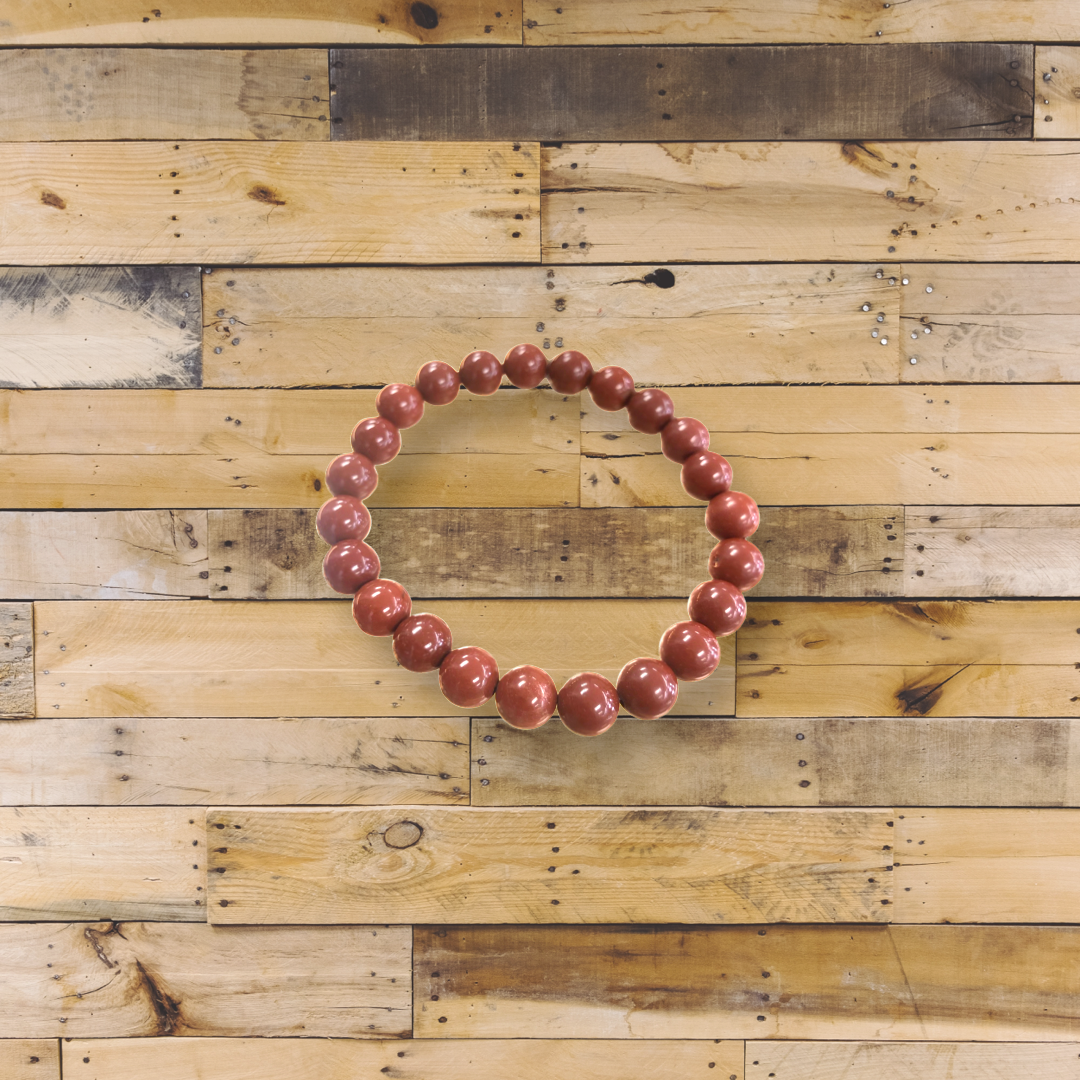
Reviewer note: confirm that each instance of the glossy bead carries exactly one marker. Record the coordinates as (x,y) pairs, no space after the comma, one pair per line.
(588,704)
(737,561)
(438,383)
(705,474)
(525,366)
(526,697)
(481,373)
(379,606)
(649,410)
(682,437)
(647,688)
(352,474)
(349,565)
(342,518)
(377,439)
(401,404)
(717,605)
(691,650)
(421,642)
(611,388)
(569,372)
(468,677)
(732,516)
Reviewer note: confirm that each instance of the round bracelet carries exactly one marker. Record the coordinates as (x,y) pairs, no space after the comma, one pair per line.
(526,696)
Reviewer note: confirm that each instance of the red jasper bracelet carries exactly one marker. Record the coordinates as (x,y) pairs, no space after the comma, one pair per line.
(526,696)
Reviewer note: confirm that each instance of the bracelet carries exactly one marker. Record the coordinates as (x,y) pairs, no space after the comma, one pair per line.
(526,696)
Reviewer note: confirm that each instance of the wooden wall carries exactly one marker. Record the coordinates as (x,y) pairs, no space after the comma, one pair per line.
(845,234)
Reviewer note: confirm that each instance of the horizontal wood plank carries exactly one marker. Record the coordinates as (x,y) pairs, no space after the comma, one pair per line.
(1057,106)
(16,661)
(39,1059)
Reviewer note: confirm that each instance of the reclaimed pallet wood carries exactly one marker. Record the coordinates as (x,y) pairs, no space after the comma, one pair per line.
(80,864)
(115,980)
(48,95)
(39,1059)
(499,866)
(186,762)
(100,326)
(272,202)
(784,982)
(296,658)
(730,202)
(16,661)
(1057,106)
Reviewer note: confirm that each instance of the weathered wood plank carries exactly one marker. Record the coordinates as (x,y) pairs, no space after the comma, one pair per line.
(951,201)
(843,982)
(114,980)
(1057,102)
(274,202)
(105,863)
(100,326)
(16,661)
(499,866)
(908,91)
(882,761)
(39,1059)
(72,94)
(291,658)
(97,762)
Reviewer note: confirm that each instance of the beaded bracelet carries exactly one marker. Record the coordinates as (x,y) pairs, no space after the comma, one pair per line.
(468,677)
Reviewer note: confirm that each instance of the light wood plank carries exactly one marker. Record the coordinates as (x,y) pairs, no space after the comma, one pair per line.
(115,980)
(990,289)
(16,661)
(809,201)
(71,94)
(1057,100)
(295,658)
(109,863)
(499,866)
(36,1059)
(274,202)
(98,762)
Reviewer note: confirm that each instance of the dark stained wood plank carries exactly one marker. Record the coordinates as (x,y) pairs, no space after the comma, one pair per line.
(16,661)
(911,91)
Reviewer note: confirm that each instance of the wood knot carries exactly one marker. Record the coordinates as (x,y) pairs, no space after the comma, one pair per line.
(261,193)
(50,198)
(402,834)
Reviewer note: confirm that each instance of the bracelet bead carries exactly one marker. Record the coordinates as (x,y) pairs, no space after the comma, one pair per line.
(717,605)
(468,677)
(691,650)
(526,697)
(569,372)
(647,688)
(705,474)
(732,516)
(737,561)
(649,410)
(343,518)
(610,388)
(481,373)
(352,474)
(438,383)
(682,437)
(422,642)
(379,606)
(401,404)
(377,439)
(350,565)
(525,366)
(588,704)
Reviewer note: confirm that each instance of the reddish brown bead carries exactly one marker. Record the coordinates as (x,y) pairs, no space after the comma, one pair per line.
(468,677)
(691,650)
(719,606)
(422,642)
(649,410)
(526,697)
(342,518)
(732,516)
(402,405)
(569,372)
(647,688)
(438,383)
(682,437)
(352,474)
(611,388)
(379,606)
(349,565)
(481,373)
(588,704)
(737,561)
(525,366)
(377,439)
(705,474)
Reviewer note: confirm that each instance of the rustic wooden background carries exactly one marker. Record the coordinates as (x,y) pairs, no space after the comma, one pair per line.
(844,232)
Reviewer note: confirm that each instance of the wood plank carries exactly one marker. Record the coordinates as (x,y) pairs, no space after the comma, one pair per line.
(273,202)
(990,983)
(952,201)
(116,980)
(100,326)
(296,658)
(492,866)
(687,324)
(72,94)
(32,1059)
(16,661)
(1057,104)
(430,1059)
(109,863)
(883,761)
(636,93)
(187,762)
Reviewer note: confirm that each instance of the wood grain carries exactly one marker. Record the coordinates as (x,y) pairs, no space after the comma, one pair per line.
(499,866)
(273,202)
(1057,102)
(198,761)
(34,1059)
(71,94)
(115,980)
(16,661)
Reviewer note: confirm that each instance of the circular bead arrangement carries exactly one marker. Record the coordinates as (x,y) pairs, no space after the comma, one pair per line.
(526,697)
